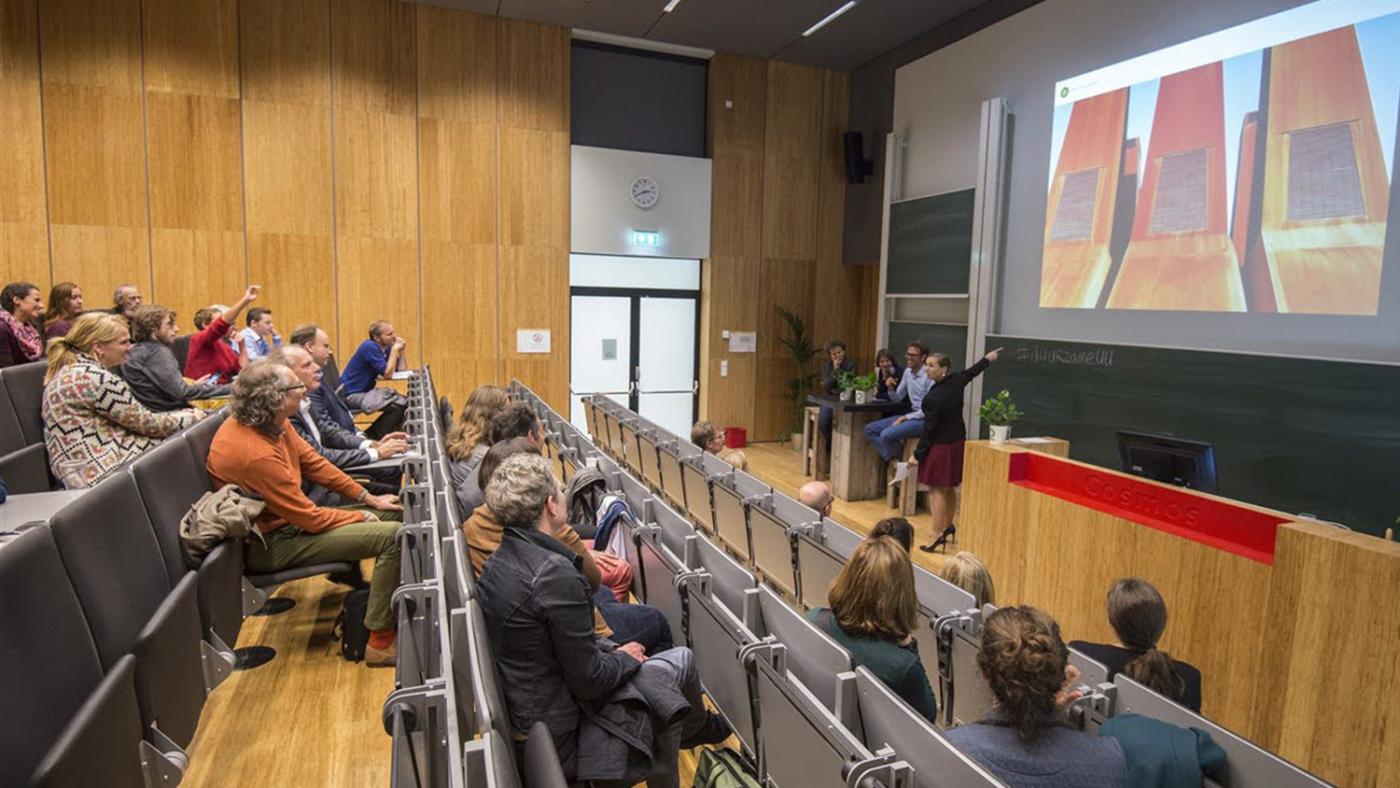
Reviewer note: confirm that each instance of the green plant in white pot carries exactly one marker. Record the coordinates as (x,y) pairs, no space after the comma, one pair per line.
(864,386)
(999,412)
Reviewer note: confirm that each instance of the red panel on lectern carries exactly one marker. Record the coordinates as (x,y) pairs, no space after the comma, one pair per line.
(1232,527)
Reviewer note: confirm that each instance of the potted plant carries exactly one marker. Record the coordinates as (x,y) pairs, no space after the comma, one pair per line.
(864,386)
(800,348)
(846,384)
(999,412)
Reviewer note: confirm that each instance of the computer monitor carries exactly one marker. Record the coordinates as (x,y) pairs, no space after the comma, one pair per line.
(1185,463)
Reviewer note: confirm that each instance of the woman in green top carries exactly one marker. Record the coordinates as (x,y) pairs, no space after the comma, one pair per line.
(873,614)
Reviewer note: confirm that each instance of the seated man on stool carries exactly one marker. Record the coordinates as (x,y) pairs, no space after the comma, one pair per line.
(888,434)
(257,450)
(538,616)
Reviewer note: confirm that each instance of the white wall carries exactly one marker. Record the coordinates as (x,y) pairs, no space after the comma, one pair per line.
(603,216)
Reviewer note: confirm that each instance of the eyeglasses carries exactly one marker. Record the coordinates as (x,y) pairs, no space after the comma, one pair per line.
(293,388)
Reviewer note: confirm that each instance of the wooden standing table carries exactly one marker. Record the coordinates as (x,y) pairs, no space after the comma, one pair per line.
(857,472)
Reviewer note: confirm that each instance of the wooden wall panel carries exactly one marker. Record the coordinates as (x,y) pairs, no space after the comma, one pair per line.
(285,57)
(837,289)
(457,165)
(194,143)
(792,161)
(533,85)
(91,55)
(24,233)
(375,170)
(786,283)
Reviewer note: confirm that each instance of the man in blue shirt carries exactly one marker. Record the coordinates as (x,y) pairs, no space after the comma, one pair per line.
(376,358)
(888,434)
(260,337)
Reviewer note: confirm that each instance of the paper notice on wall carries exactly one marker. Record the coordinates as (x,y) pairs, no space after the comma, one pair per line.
(743,342)
(532,340)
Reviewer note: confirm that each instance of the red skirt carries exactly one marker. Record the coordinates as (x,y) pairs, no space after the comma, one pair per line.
(943,465)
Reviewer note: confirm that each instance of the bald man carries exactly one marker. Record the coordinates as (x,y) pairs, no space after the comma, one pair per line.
(817,495)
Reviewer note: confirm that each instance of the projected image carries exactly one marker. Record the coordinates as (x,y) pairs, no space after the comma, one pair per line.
(1247,171)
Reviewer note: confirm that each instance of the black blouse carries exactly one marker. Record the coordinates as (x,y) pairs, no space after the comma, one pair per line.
(1116,658)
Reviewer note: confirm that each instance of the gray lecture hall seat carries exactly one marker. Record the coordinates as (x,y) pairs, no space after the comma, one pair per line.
(696,473)
(674,528)
(59,708)
(971,697)
(25,385)
(170,481)
(820,556)
(672,482)
(542,768)
(731,517)
(771,534)
(1247,766)
(110,551)
(631,450)
(11,437)
(890,722)
(648,449)
(812,655)
(638,497)
(26,470)
(660,567)
(718,639)
(731,581)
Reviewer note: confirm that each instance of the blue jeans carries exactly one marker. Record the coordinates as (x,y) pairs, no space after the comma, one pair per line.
(824,422)
(642,624)
(889,437)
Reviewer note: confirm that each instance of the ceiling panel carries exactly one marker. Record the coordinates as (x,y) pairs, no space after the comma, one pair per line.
(760,28)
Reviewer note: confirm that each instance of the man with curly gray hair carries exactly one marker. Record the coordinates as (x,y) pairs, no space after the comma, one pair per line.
(538,611)
(257,450)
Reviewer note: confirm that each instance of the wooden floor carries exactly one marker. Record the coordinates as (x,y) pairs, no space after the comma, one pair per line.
(778,465)
(309,718)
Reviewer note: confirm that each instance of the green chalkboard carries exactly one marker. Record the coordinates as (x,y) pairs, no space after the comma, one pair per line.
(930,244)
(949,340)
(1320,437)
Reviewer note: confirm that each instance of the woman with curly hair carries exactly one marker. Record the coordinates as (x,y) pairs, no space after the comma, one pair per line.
(1025,739)
(470,437)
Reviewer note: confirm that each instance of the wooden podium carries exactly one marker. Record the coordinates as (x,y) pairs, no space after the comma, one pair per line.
(1293,625)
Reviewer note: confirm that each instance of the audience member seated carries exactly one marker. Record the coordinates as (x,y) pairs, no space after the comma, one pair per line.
(1138,615)
(377,358)
(1025,739)
(708,436)
(257,450)
(329,407)
(817,495)
(151,369)
(260,337)
(890,433)
(889,374)
(345,454)
(92,421)
(836,362)
(468,439)
(516,420)
(873,612)
(126,299)
(20,307)
(966,571)
(897,528)
(210,351)
(612,617)
(536,605)
(65,304)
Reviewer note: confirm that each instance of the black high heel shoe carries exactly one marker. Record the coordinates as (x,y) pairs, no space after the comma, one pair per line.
(941,541)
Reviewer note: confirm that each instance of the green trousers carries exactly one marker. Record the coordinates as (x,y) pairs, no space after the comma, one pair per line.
(289,547)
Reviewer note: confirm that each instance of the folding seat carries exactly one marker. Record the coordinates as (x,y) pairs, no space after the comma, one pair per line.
(25,385)
(812,655)
(648,457)
(62,717)
(1247,765)
(733,495)
(890,722)
(821,553)
(719,640)
(674,528)
(696,475)
(771,531)
(731,580)
(110,552)
(660,568)
(670,452)
(1091,671)
(542,768)
(11,437)
(966,698)
(630,448)
(169,481)
(638,497)
(26,470)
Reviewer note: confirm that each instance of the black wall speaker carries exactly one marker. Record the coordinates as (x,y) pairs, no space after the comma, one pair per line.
(857,166)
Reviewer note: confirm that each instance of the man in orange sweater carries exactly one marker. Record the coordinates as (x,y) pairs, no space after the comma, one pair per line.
(257,450)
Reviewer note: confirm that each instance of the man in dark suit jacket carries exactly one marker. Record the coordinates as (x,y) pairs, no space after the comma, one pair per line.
(330,406)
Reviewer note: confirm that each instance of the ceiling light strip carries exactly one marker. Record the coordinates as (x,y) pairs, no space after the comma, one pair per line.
(830,18)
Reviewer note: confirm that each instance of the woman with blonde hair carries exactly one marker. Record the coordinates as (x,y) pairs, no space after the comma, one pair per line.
(873,613)
(92,421)
(470,437)
(966,571)
(65,304)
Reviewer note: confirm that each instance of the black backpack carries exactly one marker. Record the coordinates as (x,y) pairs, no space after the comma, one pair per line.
(350,627)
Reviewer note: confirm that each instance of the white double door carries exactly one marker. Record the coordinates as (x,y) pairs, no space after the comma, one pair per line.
(638,347)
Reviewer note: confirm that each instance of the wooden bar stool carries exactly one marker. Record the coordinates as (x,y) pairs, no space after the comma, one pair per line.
(905,495)
(814,449)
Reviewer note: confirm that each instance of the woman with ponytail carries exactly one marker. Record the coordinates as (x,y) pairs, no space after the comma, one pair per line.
(1025,739)
(1138,615)
(92,421)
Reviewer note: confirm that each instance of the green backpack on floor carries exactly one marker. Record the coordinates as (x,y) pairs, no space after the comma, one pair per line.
(724,768)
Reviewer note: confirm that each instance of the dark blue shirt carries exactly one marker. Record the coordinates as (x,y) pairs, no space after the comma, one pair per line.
(364,368)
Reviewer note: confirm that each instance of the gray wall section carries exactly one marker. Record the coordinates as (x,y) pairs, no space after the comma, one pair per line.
(634,100)
(937,104)
(871,113)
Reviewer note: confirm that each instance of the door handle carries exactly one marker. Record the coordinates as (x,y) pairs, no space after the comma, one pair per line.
(695,389)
